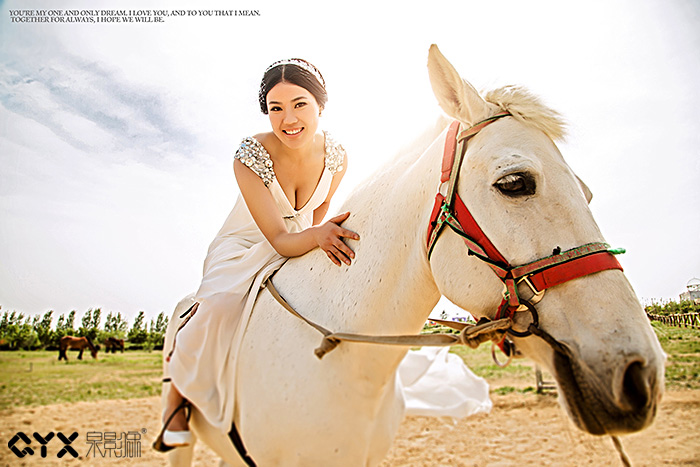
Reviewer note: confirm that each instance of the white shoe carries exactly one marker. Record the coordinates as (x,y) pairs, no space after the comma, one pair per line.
(167,439)
(177,438)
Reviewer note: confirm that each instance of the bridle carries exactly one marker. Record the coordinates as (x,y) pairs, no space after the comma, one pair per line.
(539,275)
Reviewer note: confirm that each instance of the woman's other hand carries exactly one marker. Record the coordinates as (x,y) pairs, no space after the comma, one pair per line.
(329,237)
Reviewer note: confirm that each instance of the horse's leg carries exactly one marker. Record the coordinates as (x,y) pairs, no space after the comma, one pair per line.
(218,441)
(80,355)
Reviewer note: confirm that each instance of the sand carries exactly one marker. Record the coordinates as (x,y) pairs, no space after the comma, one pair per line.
(522,429)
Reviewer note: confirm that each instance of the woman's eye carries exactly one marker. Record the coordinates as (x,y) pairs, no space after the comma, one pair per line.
(275,109)
(518,184)
(300,104)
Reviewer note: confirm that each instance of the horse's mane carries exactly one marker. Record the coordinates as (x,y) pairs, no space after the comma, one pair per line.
(528,108)
(518,101)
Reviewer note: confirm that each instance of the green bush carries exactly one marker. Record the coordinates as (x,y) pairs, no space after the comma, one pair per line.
(17,332)
(672,308)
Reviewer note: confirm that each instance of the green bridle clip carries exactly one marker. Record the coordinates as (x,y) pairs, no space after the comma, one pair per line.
(617,251)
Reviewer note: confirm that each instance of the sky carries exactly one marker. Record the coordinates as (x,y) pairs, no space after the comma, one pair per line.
(116,140)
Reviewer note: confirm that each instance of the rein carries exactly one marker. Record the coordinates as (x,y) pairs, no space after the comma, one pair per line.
(471,335)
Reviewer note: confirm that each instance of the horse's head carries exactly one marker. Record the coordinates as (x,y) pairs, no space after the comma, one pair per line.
(93,348)
(596,339)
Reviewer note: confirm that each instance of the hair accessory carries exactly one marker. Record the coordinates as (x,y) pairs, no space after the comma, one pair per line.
(301,64)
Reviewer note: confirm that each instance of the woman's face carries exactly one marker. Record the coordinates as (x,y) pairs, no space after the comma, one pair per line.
(294,114)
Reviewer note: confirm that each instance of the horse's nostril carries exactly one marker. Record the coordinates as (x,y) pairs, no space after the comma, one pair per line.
(636,390)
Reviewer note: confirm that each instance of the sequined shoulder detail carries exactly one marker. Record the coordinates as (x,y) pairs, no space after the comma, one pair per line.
(335,155)
(254,155)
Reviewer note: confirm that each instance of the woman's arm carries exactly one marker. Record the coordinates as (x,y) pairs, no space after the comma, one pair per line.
(267,216)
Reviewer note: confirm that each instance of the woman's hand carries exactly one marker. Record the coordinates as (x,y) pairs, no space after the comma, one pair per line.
(329,236)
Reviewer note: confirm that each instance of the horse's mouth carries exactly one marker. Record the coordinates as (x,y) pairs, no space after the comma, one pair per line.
(592,405)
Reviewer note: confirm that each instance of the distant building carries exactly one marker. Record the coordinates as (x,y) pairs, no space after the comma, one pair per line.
(693,292)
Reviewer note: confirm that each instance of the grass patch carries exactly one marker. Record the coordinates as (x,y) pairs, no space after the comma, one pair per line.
(682,345)
(37,378)
(520,374)
(33,378)
(503,390)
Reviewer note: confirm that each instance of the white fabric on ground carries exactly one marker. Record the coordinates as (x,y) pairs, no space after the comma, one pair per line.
(437,383)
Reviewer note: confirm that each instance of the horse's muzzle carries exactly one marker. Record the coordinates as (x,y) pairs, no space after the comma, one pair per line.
(625,404)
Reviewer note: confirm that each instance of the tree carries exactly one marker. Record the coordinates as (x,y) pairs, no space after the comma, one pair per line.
(156,336)
(43,329)
(17,332)
(86,322)
(64,327)
(138,333)
(70,321)
(96,316)
(115,325)
(90,324)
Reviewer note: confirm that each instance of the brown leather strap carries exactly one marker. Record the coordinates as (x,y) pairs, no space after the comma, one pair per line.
(471,335)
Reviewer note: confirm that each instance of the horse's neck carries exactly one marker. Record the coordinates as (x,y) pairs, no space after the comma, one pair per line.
(389,288)
(392,270)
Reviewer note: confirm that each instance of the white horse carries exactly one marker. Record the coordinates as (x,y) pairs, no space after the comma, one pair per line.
(294,409)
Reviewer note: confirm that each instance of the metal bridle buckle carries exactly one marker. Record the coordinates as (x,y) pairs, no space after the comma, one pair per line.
(536,296)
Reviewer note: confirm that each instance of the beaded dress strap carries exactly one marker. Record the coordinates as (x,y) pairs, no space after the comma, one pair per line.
(335,155)
(255,157)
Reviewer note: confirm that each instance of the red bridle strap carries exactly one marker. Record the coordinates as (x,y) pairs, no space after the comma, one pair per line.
(444,204)
(556,269)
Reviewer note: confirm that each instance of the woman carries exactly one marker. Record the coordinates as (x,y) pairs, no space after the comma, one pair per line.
(287,178)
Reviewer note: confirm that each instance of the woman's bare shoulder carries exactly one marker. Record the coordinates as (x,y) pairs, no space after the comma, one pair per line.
(265,138)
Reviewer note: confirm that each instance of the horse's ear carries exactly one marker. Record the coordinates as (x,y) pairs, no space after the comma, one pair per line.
(456,96)
(584,188)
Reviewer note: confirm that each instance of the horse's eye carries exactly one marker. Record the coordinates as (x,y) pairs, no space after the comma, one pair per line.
(518,184)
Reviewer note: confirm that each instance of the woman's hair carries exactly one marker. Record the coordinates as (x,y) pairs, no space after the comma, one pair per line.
(295,71)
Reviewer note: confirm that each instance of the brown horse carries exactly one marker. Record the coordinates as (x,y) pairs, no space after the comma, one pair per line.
(79,343)
(112,344)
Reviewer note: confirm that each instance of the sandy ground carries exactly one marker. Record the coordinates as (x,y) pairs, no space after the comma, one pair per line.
(522,429)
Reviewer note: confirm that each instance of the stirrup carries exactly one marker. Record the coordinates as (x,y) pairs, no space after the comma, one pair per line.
(158,444)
